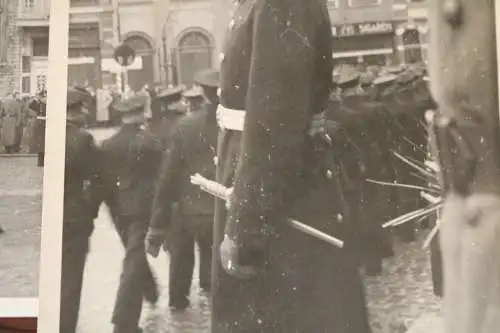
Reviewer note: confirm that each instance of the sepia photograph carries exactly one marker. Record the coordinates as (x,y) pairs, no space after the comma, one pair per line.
(280,166)
(24,36)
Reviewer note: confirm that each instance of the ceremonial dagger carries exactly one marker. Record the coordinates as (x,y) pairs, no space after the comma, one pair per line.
(222,192)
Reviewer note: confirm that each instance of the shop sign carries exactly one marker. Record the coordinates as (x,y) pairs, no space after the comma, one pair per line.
(362,29)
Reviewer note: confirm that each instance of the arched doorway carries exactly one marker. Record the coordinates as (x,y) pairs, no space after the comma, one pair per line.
(142,71)
(194,53)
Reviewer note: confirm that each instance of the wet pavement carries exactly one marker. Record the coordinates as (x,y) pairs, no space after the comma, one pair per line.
(20,217)
(401,294)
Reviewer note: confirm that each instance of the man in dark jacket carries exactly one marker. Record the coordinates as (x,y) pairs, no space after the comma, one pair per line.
(276,77)
(131,159)
(82,166)
(39,105)
(192,151)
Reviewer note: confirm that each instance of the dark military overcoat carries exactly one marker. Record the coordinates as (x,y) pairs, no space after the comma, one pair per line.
(365,154)
(277,66)
(192,150)
(82,168)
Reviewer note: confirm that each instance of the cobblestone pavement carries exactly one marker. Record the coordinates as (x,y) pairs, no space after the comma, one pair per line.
(20,217)
(401,294)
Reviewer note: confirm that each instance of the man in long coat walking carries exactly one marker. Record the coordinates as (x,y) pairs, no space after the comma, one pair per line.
(192,151)
(276,77)
(82,167)
(131,160)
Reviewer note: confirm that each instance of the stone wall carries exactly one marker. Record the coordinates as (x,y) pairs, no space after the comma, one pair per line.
(10,70)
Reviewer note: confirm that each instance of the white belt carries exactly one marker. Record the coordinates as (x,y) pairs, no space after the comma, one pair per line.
(230,119)
(234,120)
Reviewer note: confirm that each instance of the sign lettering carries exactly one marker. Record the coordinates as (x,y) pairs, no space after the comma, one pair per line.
(362,29)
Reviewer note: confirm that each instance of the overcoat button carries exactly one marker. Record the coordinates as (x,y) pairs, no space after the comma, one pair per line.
(231,24)
(216,160)
(329,174)
(222,56)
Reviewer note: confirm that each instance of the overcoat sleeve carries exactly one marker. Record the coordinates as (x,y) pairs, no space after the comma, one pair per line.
(278,118)
(169,183)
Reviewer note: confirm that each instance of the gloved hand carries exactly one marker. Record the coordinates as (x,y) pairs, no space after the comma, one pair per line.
(230,259)
(154,240)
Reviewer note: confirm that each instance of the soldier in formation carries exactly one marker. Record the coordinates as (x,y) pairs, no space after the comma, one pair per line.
(191,151)
(39,105)
(130,161)
(82,169)
(267,276)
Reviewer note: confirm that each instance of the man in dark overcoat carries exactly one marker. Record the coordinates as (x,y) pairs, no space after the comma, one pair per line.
(39,105)
(131,159)
(363,157)
(82,168)
(408,139)
(193,150)
(276,76)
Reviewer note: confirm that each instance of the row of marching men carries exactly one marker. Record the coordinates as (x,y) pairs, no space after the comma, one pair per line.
(377,122)
(128,172)
(133,169)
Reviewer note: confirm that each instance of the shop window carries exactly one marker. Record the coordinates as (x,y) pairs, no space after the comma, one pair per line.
(26,64)
(25,74)
(41,47)
(412,46)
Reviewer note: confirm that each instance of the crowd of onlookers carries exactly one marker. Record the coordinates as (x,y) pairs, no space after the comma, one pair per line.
(20,115)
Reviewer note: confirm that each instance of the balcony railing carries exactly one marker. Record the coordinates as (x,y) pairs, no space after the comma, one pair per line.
(34,9)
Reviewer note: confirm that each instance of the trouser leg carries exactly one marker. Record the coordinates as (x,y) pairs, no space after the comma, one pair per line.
(204,239)
(74,255)
(150,285)
(128,305)
(181,267)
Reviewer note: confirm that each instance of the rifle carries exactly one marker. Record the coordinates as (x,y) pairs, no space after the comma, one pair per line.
(465,143)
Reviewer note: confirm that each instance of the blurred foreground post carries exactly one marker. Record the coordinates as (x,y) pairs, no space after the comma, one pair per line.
(464,82)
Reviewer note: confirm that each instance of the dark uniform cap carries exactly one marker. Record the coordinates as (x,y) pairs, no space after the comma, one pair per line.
(194,92)
(171,92)
(132,106)
(207,78)
(74,97)
(393,69)
(348,78)
(385,79)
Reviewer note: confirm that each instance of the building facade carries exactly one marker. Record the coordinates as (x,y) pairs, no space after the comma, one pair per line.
(10,39)
(379,32)
(175,38)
